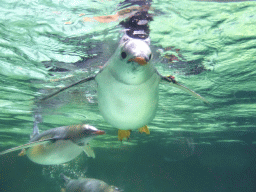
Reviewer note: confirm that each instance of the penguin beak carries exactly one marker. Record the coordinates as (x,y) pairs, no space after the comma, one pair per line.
(99,132)
(139,60)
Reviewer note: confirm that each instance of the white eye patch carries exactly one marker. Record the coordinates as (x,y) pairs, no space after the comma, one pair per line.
(89,127)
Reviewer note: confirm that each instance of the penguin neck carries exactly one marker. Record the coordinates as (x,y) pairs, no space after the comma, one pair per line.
(129,73)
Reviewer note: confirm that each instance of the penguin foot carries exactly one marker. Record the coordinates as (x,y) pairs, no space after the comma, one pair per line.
(22,153)
(144,129)
(123,134)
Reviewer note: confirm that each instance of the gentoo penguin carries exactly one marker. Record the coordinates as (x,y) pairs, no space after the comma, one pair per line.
(87,185)
(128,84)
(58,145)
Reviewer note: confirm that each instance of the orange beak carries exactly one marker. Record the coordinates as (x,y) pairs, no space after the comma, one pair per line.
(100,132)
(139,60)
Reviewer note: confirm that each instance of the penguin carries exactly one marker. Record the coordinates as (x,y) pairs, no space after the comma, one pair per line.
(128,84)
(87,185)
(58,145)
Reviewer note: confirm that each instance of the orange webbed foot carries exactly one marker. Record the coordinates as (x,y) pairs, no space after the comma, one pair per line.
(22,153)
(144,129)
(123,134)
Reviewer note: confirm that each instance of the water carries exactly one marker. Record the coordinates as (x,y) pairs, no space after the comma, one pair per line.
(209,47)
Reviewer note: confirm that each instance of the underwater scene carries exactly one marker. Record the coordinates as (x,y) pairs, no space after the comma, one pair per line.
(127,95)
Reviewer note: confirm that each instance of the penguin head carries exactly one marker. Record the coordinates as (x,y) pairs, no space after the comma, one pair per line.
(135,50)
(131,62)
(90,130)
(113,188)
(84,133)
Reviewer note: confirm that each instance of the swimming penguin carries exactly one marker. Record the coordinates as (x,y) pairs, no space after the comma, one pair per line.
(58,145)
(87,185)
(128,84)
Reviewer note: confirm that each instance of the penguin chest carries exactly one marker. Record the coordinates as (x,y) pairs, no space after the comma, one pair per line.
(127,106)
(58,152)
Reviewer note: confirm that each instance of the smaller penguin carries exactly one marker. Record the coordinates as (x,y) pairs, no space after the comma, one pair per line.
(87,185)
(58,145)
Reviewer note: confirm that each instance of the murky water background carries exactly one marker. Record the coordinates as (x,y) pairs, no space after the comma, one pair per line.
(209,47)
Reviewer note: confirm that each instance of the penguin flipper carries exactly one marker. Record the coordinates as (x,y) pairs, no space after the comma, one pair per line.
(174,83)
(67,87)
(89,151)
(32,144)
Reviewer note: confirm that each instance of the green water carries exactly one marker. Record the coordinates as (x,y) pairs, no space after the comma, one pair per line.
(192,147)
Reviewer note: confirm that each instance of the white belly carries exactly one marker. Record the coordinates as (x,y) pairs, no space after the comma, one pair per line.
(127,106)
(54,153)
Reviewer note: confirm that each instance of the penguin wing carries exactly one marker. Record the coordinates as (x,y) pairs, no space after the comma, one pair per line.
(182,87)
(31,144)
(89,151)
(67,87)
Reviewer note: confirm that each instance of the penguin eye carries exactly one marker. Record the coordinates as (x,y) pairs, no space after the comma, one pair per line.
(123,55)
(149,58)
